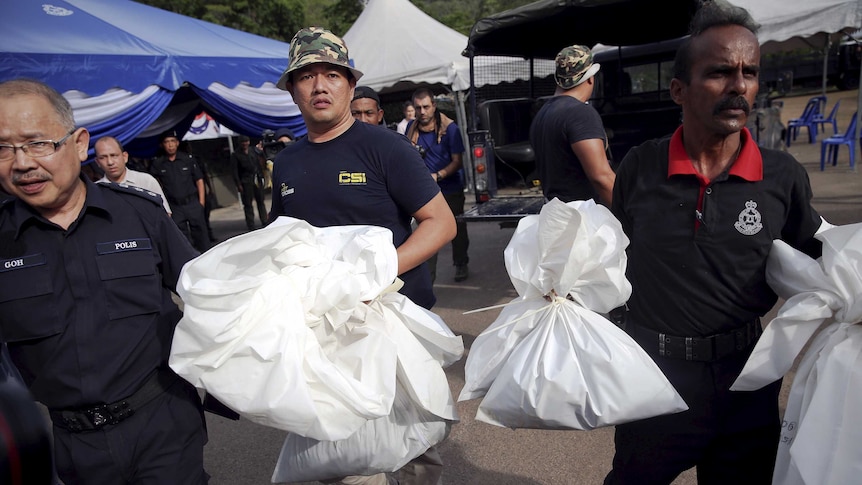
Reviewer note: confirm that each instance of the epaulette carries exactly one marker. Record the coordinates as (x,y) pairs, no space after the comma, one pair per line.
(133,189)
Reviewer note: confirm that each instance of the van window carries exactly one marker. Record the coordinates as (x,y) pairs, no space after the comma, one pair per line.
(647,78)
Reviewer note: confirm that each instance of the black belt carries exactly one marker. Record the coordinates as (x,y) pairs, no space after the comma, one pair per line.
(93,418)
(702,349)
(184,200)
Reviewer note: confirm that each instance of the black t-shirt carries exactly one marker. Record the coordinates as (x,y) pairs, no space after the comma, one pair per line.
(697,252)
(562,121)
(368,175)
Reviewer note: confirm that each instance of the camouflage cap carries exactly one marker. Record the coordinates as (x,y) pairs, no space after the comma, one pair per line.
(574,66)
(312,45)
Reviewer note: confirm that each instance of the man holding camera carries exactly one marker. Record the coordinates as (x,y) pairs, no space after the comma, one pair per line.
(248,177)
(439,142)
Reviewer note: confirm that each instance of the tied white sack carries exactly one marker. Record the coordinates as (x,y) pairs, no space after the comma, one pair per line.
(821,316)
(388,443)
(381,445)
(550,360)
(270,328)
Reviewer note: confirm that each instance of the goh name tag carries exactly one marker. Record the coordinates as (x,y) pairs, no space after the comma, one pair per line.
(22,262)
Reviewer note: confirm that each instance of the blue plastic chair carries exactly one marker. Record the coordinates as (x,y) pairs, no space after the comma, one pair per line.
(829,147)
(820,120)
(812,108)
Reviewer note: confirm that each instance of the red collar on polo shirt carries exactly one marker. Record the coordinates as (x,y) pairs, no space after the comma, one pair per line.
(748,165)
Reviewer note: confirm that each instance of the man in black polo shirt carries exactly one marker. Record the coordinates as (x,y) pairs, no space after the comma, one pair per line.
(182,180)
(701,209)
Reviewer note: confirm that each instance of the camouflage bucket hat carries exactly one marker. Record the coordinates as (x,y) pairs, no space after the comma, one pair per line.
(574,66)
(312,45)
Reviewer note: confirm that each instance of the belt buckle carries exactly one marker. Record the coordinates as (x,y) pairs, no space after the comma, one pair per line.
(100,416)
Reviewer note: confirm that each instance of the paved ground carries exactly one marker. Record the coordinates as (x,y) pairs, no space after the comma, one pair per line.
(476,453)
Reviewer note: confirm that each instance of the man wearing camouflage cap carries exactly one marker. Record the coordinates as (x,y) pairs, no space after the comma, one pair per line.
(568,136)
(345,172)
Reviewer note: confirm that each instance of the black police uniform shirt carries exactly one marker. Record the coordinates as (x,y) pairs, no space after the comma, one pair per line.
(87,312)
(698,248)
(178,178)
(368,175)
(245,166)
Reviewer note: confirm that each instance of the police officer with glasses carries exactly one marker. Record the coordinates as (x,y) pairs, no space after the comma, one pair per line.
(86,278)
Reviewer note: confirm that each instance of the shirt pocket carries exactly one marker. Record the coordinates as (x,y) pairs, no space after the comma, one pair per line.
(130,278)
(27,300)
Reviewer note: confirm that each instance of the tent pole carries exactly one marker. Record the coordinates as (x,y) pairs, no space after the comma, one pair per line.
(857,131)
(461,116)
(825,65)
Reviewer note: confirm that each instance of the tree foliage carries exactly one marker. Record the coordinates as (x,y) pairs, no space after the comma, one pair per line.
(460,15)
(189,8)
(280,19)
(341,14)
(275,19)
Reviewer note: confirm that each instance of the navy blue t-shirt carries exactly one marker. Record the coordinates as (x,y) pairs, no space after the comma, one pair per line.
(368,175)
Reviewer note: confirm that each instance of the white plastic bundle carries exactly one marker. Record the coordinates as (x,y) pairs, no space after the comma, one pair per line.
(299,328)
(382,445)
(823,309)
(551,360)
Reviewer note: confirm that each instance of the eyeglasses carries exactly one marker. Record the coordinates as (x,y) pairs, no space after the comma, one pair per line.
(36,148)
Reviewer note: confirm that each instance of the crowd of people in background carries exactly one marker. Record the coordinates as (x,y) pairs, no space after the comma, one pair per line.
(249,166)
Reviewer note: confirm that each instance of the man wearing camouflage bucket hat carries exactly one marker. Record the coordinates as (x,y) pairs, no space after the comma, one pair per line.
(568,136)
(346,172)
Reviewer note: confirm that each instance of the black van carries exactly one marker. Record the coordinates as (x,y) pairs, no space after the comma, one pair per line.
(512,54)
(632,95)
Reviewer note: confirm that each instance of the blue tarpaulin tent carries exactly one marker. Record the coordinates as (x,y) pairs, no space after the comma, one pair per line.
(132,71)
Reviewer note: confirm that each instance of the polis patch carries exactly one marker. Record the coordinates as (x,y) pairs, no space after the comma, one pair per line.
(22,262)
(124,245)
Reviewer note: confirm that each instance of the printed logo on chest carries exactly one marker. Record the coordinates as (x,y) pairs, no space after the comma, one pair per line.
(748,223)
(351,178)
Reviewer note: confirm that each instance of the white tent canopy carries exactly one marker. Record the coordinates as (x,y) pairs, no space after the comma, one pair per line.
(398,46)
(785,24)
(782,20)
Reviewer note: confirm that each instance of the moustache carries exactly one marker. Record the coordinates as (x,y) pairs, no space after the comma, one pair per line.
(29,177)
(733,103)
